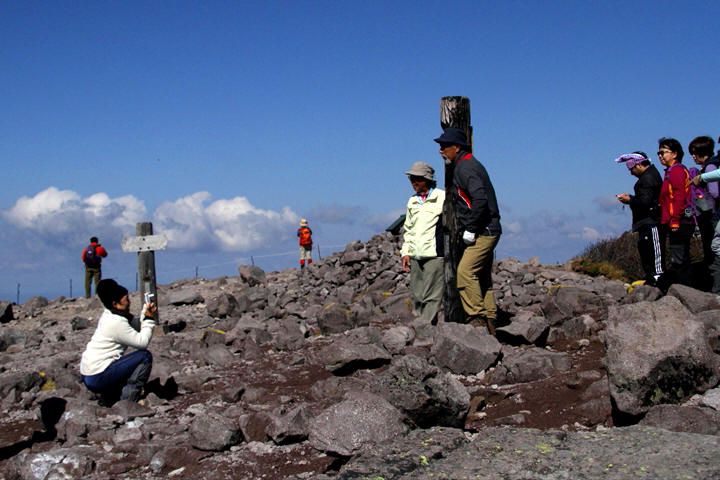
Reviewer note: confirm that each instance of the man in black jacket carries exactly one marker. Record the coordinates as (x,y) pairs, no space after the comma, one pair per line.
(478,217)
(645,213)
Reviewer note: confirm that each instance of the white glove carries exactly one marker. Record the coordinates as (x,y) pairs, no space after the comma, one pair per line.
(468,237)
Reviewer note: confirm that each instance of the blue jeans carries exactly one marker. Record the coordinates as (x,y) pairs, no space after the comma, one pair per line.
(129,373)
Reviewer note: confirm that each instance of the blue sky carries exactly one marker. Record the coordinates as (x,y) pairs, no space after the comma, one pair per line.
(224,123)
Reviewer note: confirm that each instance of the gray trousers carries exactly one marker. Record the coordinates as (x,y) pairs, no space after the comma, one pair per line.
(426,286)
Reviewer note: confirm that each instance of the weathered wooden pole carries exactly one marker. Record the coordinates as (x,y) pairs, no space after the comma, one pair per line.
(454,112)
(146,265)
(145,244)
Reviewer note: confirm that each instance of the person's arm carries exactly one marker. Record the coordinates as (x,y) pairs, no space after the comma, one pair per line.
(477,184)
(407,236)
(713,187)
(101,251)
(712,176)
(125,334)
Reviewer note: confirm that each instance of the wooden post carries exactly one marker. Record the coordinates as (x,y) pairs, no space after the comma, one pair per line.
(146,266)
(454,112)
(145,245)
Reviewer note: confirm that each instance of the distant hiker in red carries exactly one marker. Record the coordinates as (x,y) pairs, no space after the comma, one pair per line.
(92,257)
(305,240)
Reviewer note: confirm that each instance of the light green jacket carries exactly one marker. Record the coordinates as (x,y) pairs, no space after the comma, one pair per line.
(421,222)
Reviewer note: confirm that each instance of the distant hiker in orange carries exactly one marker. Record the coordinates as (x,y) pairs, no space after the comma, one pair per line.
(305,240)
(92,257)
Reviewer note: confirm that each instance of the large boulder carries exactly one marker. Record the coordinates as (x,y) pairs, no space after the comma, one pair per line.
(343,357)
(528,365)
(657,353)
(524,454)
(567,302)
(694,300)
(359,422)
(424,393)
(252,275)
(463,349)
(213,432)
(676,418)
(526,327)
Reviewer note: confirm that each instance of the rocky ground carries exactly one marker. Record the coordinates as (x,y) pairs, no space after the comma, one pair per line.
(326,373)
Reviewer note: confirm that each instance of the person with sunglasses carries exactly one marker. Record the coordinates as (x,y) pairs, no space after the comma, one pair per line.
(676,216)
(422,249)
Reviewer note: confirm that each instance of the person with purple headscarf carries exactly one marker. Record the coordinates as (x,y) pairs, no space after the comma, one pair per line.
(645,208)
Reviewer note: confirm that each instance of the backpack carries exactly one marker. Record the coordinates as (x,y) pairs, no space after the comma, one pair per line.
(700,198)
(305,236)
(91,259)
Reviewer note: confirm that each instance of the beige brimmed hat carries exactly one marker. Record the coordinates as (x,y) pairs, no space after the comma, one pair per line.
(303,222)
(422,169)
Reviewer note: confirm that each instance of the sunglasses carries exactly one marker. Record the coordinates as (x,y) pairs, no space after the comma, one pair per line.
(443,146)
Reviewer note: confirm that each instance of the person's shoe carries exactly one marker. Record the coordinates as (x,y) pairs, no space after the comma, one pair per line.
(491,325)
(477,321)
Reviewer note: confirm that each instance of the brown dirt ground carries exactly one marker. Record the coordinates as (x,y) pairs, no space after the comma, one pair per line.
(552,404)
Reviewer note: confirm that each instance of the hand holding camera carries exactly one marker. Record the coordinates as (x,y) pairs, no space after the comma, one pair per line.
(149,308)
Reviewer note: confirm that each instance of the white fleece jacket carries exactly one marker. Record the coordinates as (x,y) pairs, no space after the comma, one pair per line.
(112,336)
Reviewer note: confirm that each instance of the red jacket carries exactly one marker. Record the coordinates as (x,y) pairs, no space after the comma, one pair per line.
(99,251)
(675,196)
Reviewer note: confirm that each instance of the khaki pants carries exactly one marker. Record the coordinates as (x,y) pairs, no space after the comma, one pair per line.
(474,277)
(305,251)
(427,280)
(90,275)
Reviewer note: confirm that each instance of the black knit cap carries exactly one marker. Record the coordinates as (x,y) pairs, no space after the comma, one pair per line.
(110,291)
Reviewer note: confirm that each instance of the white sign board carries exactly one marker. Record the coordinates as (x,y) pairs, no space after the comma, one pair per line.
(144,244)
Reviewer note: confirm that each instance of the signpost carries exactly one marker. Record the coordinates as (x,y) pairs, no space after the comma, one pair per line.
(454,112)
(145,244)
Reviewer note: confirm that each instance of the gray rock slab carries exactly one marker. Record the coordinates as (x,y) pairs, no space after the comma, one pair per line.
(289,425)
(57,463)
(657,353)
(694,300)
(528,365)
(252,275)
(212,431)
(689,419)
(464,349)
(426,394)
(526,327)
(356,423)
(343,357)
(527,454)
(711,399)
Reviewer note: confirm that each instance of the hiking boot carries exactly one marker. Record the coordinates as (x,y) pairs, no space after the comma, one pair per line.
(491,325)
(477,321)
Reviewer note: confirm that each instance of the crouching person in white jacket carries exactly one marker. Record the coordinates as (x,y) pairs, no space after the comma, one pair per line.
(104,368)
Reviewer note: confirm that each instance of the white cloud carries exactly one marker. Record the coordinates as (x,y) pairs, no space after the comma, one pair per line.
(66,219)
(590,234)
(233,225)
(608,204)
(63,218)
